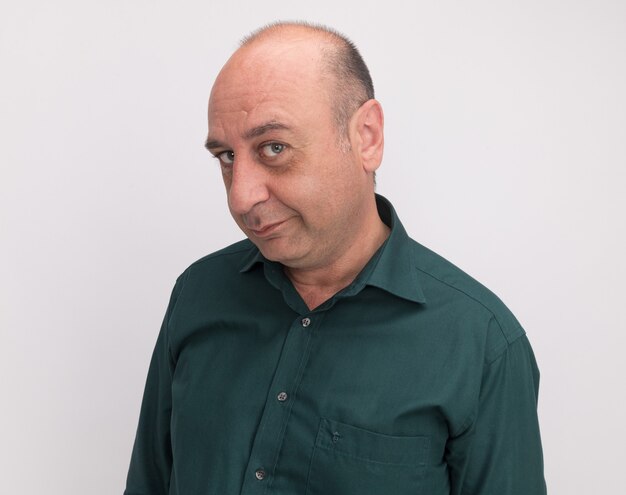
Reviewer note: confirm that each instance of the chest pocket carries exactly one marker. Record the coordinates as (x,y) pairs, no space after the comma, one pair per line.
(348,460)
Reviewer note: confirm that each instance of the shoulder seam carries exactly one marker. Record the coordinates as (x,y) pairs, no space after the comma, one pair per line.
(461,291)
(501,352)
(495,317)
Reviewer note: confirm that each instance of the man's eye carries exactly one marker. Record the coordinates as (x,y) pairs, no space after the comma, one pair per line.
(271,150)
(227,157)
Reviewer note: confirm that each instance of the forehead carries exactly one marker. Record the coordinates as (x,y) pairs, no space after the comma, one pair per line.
(276,81)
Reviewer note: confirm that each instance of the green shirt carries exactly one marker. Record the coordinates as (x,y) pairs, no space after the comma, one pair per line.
(414,379)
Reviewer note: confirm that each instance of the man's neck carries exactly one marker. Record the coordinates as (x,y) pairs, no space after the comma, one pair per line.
(317,285)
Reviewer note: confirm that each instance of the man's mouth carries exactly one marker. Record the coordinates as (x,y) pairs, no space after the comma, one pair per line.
(267,229)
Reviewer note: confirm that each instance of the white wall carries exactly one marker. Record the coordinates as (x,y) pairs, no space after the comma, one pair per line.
(506,148)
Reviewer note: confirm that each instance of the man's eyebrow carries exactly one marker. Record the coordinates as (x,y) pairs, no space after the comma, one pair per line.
(249,134)
(263,128)
(213,143)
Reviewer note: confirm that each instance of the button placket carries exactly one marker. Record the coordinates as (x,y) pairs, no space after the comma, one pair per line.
(272,428)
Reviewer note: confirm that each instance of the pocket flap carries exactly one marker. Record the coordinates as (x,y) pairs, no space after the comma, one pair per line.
(371,446)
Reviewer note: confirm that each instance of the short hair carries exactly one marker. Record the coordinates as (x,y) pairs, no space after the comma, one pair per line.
(353,83)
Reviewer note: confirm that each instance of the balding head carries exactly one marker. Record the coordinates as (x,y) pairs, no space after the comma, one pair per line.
(341,67)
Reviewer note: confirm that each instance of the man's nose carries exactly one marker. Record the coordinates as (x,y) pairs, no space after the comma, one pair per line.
(248,185)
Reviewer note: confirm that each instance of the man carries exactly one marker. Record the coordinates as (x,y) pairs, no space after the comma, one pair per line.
(328,353)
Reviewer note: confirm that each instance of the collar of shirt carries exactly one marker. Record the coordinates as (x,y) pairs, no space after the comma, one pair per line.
(391,268)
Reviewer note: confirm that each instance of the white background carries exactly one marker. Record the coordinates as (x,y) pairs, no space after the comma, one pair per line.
(505,152)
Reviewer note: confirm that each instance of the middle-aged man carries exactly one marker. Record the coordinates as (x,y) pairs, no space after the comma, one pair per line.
(328,353)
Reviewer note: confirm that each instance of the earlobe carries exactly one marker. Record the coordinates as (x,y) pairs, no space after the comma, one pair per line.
(370,130)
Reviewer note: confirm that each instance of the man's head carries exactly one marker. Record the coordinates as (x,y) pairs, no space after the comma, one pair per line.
(299,137)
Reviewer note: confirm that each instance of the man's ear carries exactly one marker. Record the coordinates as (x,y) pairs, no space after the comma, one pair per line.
(368,130)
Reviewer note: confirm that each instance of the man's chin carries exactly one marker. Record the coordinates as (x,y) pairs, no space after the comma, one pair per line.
(273,253)
(279,250)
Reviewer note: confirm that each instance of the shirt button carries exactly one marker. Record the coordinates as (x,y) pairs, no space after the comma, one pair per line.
(306,322)
(260,474)
(282,397)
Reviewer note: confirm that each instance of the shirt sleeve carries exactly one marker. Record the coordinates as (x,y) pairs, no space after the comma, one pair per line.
(498,452)
(151,459)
